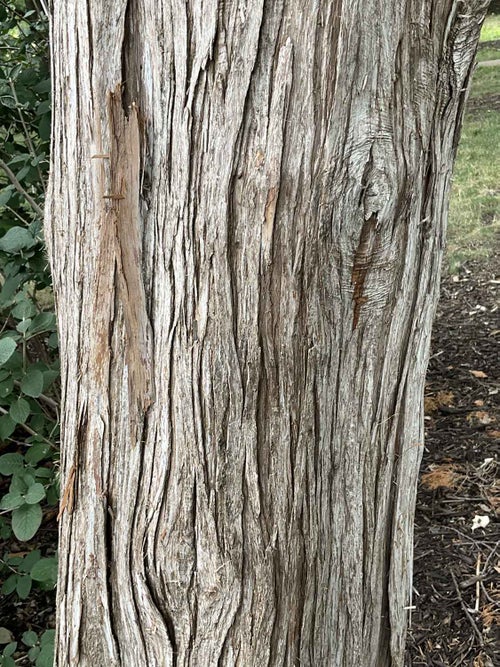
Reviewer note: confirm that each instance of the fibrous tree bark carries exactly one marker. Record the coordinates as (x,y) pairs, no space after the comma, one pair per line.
(245,222)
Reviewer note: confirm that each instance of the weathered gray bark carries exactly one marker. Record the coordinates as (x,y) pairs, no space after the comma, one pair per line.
(246,220)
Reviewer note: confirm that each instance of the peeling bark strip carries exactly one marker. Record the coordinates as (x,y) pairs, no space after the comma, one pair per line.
(246,288)
(124,216)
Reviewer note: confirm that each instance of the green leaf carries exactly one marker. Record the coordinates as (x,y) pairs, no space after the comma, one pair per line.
(43,107)
(43,473)
(24,309)
(27,76)
(12,501)
(53,341)
(14,561)
(20,411)
(28,478)
(8,661)
(23,587)
(10,649)
(26,521)
(18,484)
(5,636)
(37,452)
(7,349)
(11,463)
(9,585)
(32,383)
(6,387)
(29,561)
(43,86)
(53,494)
(44,127)
(6,194)
(9,289)
(36,492)
(29,638)
(16,239)
(8,102)
(33,653)
(20,175)
(46,657)
(17,159)
(45,570)
(23,326)
(41,323)
(7,427)
(48,637)
(38,421)
(49,377)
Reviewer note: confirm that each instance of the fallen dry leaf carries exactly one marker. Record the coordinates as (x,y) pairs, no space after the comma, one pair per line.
(493,434)
(480,417)
(430,405)
(479,403)
(442,476)
(490,615)
(478,374)
(482,660)
(445,397)
(433,402)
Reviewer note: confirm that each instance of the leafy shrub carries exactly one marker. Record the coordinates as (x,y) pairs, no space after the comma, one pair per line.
(39,648)
(29,366)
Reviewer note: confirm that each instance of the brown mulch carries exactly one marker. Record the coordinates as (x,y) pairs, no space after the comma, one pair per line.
(456,594)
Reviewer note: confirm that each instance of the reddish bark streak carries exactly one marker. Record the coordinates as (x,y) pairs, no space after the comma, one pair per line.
(363,260)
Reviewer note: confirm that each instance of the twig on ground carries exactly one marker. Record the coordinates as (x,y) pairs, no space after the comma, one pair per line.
(478,583)
(467,613)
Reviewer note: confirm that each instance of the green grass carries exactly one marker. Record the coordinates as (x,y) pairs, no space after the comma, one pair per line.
(488,53)
(486,81)
(474,223)
(491,28)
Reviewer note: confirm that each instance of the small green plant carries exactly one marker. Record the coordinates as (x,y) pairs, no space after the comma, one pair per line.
(24,570)
(6,659)
(39,648)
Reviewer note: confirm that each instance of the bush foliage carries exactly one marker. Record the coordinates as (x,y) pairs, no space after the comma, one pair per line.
(29,370)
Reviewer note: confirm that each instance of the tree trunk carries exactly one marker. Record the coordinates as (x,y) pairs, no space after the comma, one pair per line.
(246,220)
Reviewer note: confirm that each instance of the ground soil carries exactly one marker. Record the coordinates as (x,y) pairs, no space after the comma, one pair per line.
(456,591)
